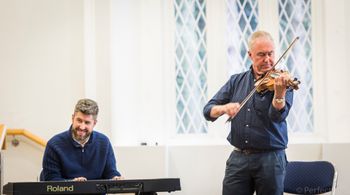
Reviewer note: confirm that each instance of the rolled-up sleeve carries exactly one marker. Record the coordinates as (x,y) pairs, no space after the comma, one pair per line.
(207,110)
(223,96)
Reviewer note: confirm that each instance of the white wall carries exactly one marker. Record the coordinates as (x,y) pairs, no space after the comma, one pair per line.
(337,29)
(21,163)
(41,63)
(137,71)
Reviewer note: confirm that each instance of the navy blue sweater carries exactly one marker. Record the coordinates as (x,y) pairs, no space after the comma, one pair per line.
(65,159)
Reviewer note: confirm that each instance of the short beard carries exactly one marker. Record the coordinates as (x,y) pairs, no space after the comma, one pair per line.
(78,138)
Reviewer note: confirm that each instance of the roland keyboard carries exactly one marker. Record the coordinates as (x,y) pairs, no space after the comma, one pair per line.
(137,186)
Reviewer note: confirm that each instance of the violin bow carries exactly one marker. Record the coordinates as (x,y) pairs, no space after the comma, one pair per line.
(264,77)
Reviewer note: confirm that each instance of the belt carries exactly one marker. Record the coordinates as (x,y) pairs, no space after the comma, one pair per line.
(250,151)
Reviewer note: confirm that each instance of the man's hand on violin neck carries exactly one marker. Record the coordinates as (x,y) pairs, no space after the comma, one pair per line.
(281,84)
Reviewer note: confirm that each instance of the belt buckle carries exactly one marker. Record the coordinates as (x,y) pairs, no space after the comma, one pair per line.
(245,151)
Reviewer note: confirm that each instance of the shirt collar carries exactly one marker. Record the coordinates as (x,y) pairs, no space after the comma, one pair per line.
(81,143)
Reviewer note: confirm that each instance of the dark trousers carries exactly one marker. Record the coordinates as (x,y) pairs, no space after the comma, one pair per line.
(261,172)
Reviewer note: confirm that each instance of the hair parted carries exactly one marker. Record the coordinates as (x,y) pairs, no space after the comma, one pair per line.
(87,106)
(257,35)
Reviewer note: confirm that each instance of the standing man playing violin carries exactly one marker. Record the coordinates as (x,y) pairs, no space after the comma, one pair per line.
(258,129)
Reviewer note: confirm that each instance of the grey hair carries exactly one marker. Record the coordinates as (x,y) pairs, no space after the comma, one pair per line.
(257,35)
(87,106)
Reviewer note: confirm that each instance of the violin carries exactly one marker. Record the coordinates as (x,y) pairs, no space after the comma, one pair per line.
(267,83)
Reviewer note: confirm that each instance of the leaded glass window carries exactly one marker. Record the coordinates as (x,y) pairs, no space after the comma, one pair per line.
(295,20)
(191,65)
(242,21)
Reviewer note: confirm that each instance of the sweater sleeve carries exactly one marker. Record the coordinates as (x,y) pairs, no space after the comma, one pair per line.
(51,166)
(110,169)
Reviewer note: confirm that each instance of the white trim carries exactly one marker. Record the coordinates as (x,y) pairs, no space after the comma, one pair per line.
(169,84)
(319,69)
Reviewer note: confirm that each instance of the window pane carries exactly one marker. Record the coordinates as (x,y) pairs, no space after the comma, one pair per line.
(191,66)
(242,21)
(295,20)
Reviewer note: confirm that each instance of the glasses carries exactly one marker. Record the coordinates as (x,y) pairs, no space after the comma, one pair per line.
(264,54)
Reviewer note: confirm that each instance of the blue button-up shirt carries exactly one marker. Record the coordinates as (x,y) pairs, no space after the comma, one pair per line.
(258,125)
